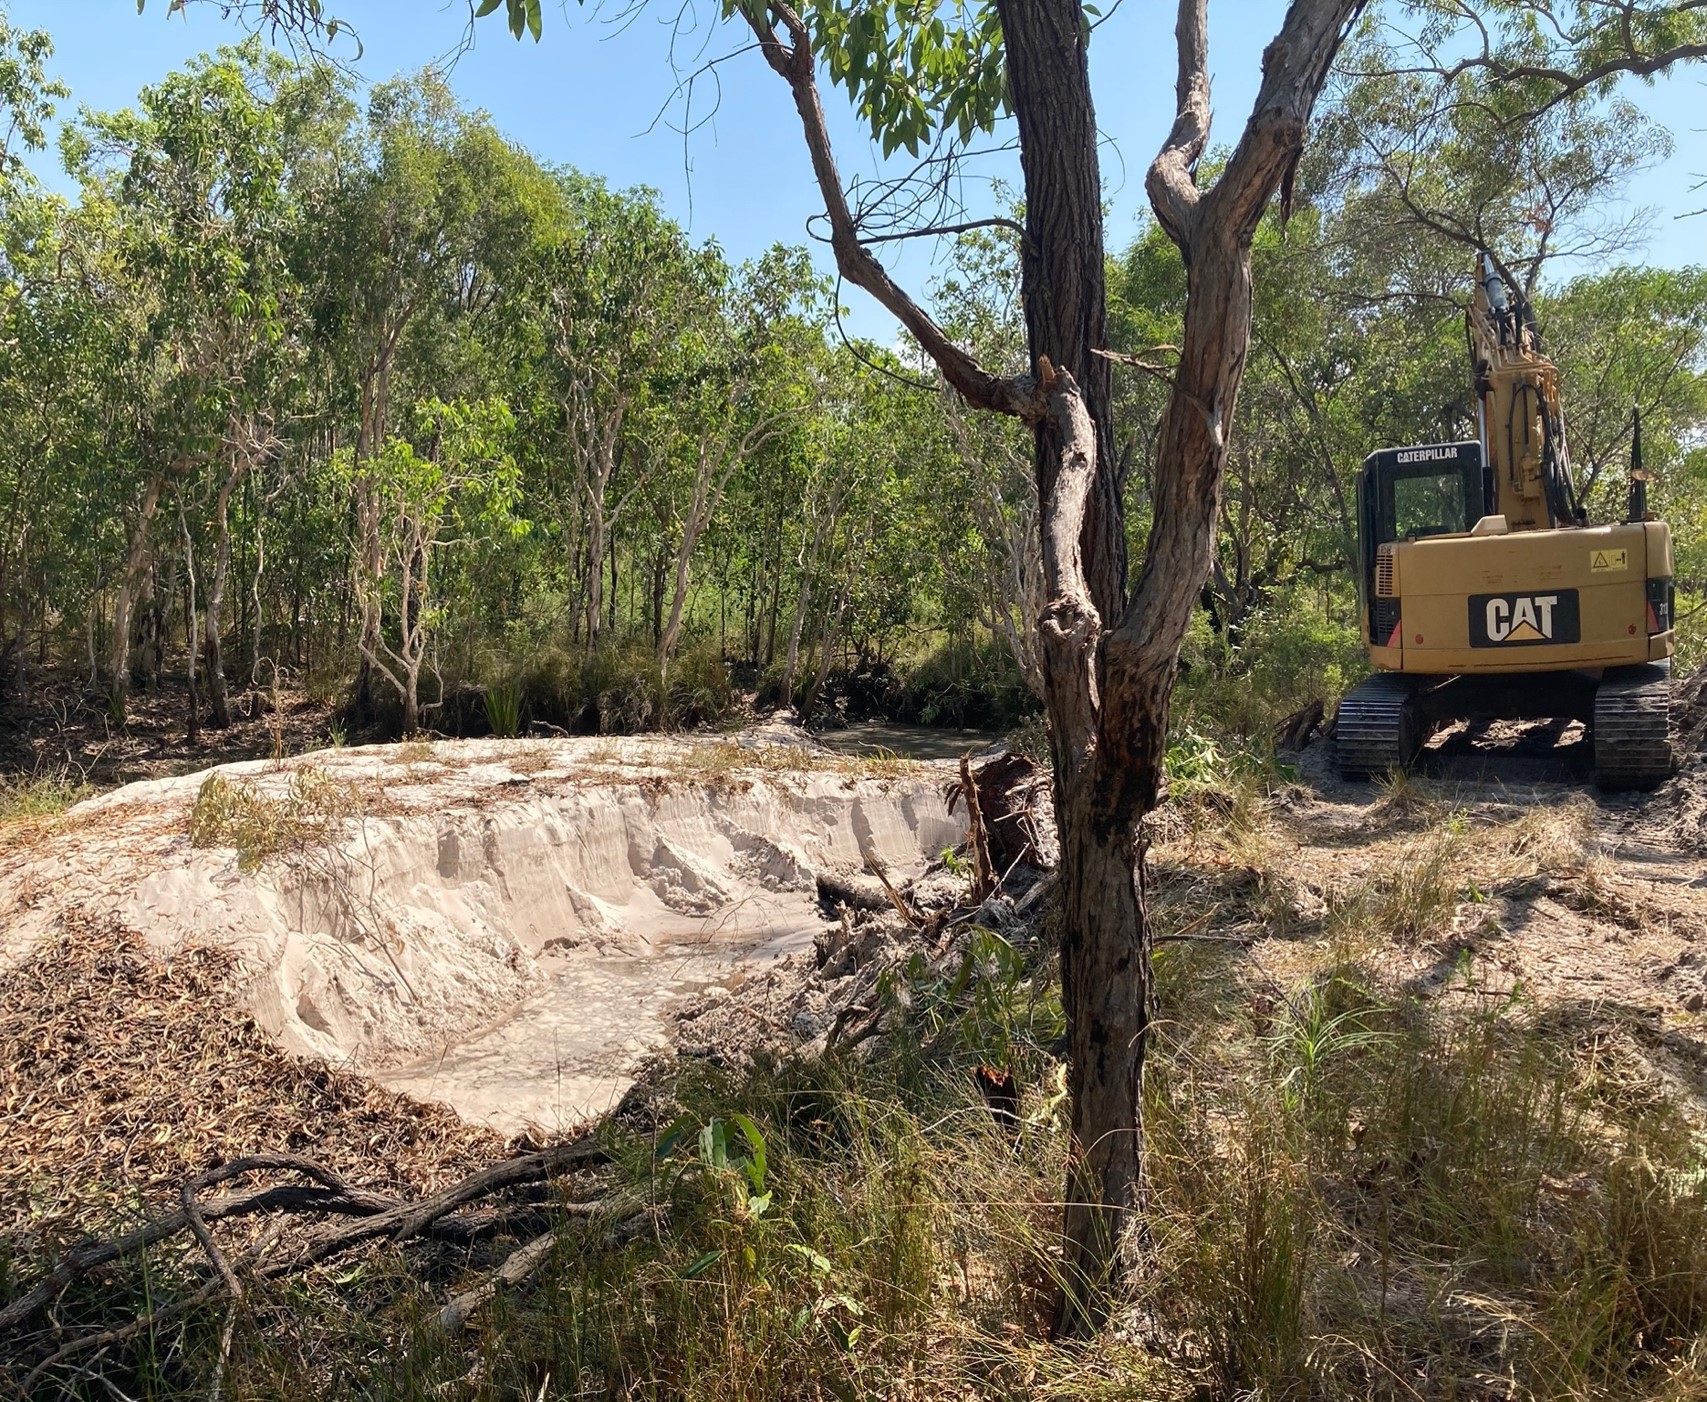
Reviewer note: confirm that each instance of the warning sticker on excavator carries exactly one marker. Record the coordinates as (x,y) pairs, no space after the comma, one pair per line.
(1603,561)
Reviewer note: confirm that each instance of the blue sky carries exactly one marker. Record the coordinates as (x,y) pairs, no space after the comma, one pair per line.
(591,92)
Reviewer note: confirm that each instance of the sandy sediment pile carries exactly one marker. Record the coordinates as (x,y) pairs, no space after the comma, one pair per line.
(497,924)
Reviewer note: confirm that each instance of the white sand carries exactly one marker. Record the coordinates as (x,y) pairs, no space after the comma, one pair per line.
(506,929)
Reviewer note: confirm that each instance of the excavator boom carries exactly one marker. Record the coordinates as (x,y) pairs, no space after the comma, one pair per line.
(1521,421)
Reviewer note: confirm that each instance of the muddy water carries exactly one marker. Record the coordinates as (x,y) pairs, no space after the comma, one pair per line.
(567,1053)
(871,737)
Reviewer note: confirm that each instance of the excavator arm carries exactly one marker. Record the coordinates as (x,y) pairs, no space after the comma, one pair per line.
(1518,410)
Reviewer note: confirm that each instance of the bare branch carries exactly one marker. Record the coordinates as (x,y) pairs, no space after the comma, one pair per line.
(1160,372)
(793,61)
(1172,181)
(938,229)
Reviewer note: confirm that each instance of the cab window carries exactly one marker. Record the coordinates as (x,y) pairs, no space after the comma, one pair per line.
(1429,505)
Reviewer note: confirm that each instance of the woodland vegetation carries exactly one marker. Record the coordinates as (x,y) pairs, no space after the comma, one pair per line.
(353,393)
(372,400)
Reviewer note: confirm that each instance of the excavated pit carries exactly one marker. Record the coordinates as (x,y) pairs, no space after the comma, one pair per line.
(501,926)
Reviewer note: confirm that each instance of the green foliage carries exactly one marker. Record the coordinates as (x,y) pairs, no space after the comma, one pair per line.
(524,15)
(503,706)
(912,71)
(27,95)
(315,354)
(261,823)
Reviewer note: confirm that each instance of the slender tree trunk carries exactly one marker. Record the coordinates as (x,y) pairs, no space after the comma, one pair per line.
(296,590)
(413,631)
(90,620)
(6,550)
(147,610)
(830,638)
(791,665)
(254,614)
(192,735)
(717,464)
(212,649)
(660,570)
(118,653)
(595,573)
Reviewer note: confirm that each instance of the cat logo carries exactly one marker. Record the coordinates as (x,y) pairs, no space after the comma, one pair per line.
(1514,620)
(1526,619)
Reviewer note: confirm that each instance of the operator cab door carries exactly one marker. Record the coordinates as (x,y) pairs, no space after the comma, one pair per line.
(1411,494)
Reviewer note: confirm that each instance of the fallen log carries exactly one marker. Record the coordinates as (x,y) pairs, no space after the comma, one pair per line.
(459,1212)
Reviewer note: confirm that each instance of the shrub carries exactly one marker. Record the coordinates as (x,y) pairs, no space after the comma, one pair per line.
(261,824)
(503,706)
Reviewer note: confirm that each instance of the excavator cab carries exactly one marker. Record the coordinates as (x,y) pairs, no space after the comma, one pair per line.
(1487,595)
(1411,494)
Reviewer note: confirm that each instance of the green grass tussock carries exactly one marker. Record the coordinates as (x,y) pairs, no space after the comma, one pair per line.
(40,795)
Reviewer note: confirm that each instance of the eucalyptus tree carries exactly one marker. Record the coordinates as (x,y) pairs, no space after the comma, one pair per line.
(39,343)
(449,486)
(195,176)
(400,229)
(762,371)
(1428,168)
(1631,339)
(627,299)
(62,357)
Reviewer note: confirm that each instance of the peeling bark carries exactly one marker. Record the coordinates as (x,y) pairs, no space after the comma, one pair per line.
(1109,661)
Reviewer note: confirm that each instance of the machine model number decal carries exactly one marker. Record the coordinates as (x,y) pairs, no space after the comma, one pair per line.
(1518,620)
(1602,561)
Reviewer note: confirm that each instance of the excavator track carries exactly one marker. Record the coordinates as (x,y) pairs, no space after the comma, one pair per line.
(1376,730)
(1632,727)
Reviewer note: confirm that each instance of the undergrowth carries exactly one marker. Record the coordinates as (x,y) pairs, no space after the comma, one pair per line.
(40,795)
(262,824)
(1355,1192)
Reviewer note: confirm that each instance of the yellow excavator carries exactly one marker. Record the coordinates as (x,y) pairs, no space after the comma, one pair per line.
(1487,595)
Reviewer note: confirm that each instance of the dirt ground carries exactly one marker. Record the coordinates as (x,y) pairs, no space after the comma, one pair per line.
(1505,874)
(60,726)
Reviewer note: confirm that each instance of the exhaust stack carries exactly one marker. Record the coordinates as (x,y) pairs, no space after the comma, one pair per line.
(1638,510)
